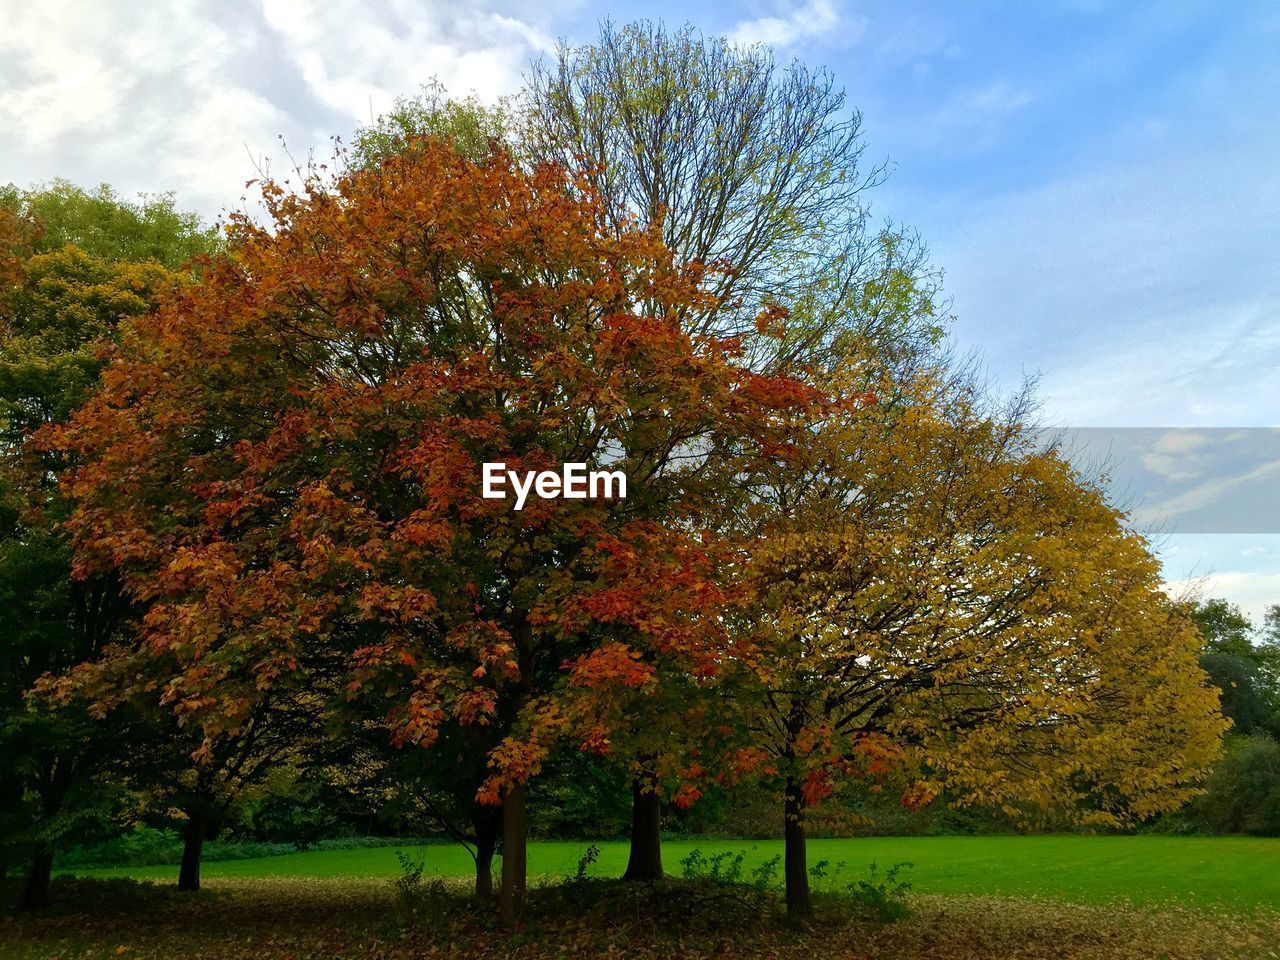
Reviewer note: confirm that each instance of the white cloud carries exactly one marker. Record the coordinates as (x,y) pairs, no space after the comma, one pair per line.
(350,53)
(1179,441)
(813,19)
(140,96)
(181,95)
(1173,457)
(1204,495)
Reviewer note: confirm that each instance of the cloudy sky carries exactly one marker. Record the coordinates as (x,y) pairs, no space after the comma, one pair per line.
(1097,178)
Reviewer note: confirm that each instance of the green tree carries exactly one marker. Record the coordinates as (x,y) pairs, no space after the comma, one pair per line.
(1243,664)
(105,225)
(76,263)
(474,127)
(741,161)
(1242,795)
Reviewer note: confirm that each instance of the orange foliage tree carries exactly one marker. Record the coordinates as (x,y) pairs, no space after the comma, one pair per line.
(284,462)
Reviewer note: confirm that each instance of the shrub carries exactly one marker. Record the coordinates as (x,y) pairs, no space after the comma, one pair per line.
(882,898)
(418,903)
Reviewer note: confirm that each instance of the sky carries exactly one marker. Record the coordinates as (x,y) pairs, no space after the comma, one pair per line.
(1098,180)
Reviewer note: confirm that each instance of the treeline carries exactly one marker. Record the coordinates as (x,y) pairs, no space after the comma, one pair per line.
(249,578)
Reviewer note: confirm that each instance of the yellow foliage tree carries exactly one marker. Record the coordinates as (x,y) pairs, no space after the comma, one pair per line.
(937,593)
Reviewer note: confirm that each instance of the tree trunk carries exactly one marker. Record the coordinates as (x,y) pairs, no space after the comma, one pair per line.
(795,860)
(515,829)
(645,860)
(39,873)
(192,849)
(52,787)
(487,822)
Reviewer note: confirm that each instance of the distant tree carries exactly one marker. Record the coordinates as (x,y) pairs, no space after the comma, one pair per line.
(1271,624)
(1243,663)
(1246,701)
(1242,795)
(1224,628)
(475,128)
(107,226)
(1267,652)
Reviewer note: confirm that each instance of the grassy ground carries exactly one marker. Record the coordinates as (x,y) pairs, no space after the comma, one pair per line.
(1231,873)
(307,918)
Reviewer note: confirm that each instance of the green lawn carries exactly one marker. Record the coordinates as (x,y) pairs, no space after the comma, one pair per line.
(1222,872)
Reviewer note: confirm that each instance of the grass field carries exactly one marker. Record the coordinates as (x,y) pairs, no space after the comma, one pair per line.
(1216,873)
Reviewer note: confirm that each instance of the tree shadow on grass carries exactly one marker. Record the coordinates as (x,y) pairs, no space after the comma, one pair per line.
(279,918)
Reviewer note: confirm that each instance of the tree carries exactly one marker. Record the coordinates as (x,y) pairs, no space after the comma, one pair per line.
(739,161)
(59,301)
(1271,625)
(1224,628)
(476,129)
(1243,663)
(1246,672)
(284,461)
(1242,794)
(108,227)
(744,164)
(939,598)
(66,300)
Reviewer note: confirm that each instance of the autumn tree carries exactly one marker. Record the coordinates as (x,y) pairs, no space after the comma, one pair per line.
(737,161)
(284,462)
(943,600)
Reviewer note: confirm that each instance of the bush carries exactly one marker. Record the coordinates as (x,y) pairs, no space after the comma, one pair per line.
(881,898)
(417,903)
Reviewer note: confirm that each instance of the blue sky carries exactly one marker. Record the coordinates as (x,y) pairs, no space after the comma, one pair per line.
(1098,179)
